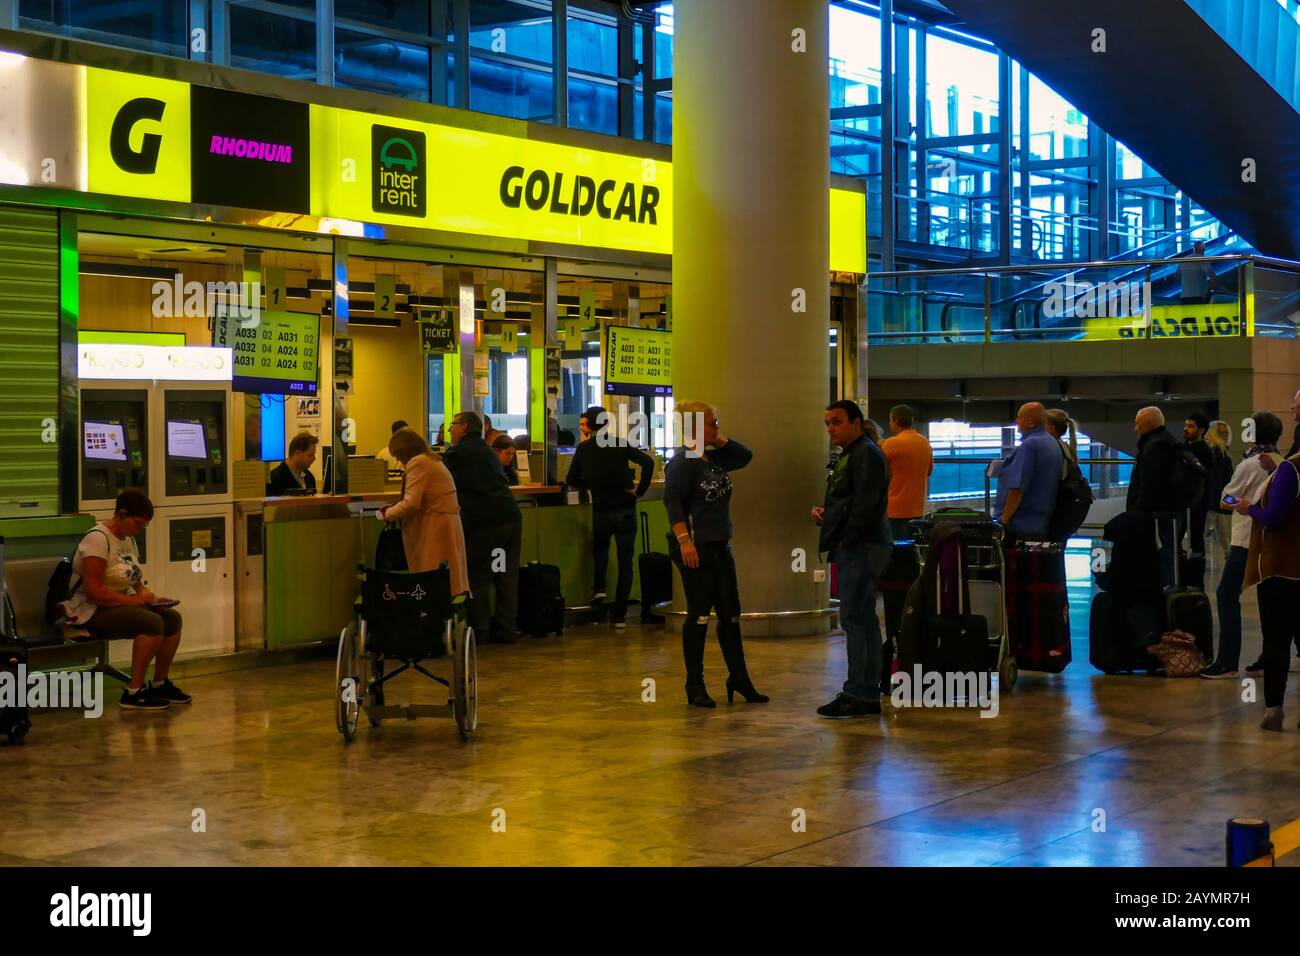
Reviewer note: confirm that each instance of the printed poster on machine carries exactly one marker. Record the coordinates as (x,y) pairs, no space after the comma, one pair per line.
(638,361)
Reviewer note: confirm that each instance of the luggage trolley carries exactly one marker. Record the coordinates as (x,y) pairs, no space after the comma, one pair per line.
(407,617)
(985,564)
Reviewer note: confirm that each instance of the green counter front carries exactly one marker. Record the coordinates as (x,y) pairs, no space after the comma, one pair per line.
(302,556)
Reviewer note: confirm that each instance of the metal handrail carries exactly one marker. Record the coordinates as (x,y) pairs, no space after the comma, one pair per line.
(988,484)
(1077,266)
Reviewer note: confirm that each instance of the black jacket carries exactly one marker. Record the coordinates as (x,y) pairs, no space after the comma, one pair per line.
(485,498)
(282,481)
(1295,444)
(1133,570)
(857,499)
(1154,477)
(697,491)
(605,470)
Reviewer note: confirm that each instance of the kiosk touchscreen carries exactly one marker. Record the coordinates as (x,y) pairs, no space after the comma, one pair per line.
(114,442)
(195,442)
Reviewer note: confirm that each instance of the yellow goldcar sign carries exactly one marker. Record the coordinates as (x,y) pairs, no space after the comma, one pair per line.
(373,168)
(1215,320)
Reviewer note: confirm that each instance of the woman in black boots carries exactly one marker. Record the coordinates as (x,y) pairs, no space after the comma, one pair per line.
(697,496)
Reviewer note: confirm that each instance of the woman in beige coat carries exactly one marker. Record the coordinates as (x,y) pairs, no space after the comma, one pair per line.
(428,510)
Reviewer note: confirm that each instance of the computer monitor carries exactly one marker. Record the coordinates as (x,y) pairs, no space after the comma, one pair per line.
(104,441)
(185,440)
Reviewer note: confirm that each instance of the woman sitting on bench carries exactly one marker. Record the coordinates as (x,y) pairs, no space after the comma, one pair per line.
(109,600)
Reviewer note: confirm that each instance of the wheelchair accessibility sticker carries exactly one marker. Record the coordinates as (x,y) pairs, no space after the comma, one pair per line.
(416,592)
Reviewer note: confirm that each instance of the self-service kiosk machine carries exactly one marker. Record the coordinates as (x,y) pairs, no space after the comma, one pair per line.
(171,440)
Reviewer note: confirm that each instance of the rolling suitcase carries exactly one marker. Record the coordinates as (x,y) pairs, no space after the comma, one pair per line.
(1110,641)
(14,719)
(1038,612)
(541,604)
(1187,606)
(954,640)
(655,570)
(904,567)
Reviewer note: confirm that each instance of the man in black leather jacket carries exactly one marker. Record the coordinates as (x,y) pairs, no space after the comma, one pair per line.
(855,530)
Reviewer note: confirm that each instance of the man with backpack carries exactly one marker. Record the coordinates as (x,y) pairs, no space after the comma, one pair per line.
(1164,485)
(1028,483)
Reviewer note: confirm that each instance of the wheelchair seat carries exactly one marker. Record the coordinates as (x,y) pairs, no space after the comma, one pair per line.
(406,612)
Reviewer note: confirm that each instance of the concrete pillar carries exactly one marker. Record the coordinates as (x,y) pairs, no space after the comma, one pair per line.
(751,274)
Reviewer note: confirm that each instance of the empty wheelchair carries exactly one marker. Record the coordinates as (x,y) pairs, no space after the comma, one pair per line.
(405,618)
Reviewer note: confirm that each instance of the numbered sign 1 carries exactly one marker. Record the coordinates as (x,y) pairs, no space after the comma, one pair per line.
(273,284)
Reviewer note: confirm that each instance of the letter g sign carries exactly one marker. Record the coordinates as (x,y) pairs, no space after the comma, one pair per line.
(144,160)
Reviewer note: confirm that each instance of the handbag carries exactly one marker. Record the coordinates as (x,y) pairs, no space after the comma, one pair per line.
(390,553)
(1179,654)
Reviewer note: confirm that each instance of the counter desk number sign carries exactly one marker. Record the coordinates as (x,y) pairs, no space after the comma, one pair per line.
(275,289)
(385,297)
(587,308)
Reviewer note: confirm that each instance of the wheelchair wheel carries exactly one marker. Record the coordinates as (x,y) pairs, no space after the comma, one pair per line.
(465,683)
(347,683)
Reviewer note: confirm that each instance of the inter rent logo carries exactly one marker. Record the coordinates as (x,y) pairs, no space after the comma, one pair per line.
(400,177)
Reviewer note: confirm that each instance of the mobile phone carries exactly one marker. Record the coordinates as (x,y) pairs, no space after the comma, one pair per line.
(1230,500)
(165,603)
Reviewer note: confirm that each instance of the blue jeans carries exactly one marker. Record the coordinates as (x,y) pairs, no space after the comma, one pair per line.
(1228,598)
(859,570)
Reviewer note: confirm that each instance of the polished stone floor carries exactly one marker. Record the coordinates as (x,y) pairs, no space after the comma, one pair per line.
(571,767)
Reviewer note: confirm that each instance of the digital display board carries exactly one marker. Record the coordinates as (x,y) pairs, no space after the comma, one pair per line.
(638,361)
(277,353)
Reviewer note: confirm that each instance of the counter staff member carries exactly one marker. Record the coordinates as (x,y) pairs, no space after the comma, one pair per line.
(504,446)
(293,475)
(493,528)
(385,454)
(602,465)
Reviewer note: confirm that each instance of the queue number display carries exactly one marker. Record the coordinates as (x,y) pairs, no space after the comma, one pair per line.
(638,361)
(277,354)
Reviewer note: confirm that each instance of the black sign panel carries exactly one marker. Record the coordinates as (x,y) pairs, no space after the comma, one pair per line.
(249,151)
(399,171)
(437,331)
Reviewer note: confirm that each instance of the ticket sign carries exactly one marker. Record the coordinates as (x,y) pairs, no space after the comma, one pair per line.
(638,361)
(437,331)
(1213,320)
(277,354)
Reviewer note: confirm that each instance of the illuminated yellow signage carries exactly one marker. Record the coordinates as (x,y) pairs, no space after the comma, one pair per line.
(137,135)
(1215,320)
(154,138)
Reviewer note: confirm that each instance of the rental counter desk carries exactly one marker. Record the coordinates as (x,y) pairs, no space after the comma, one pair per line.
(296,558)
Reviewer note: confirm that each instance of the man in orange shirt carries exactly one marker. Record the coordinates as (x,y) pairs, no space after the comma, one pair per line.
(911,462)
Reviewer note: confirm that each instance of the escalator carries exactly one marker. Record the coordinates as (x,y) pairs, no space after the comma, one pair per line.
(1204,90)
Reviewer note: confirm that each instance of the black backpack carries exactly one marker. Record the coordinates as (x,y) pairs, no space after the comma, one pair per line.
(57,591)
(1073,499)
(60,587)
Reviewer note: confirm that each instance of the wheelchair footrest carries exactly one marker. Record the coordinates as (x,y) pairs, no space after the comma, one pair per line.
(409,711)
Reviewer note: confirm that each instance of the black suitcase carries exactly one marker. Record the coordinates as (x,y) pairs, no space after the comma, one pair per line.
(1111,647)
(655,570)
(541,603)
(904,567)
(1186,606)
(14,720)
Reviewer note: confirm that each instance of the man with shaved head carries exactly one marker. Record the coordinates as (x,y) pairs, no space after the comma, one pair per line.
(1030,478)
(1154,483)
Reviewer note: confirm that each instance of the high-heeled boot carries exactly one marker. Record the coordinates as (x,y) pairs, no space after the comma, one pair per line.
(733,652)
(697,694)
